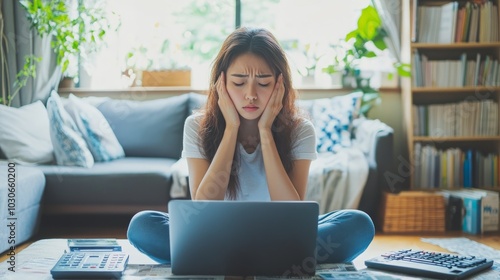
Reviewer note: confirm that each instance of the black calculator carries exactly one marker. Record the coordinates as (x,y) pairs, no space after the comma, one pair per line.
(85,265)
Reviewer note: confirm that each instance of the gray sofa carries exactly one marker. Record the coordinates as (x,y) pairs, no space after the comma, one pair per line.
(150,133)
(19,216)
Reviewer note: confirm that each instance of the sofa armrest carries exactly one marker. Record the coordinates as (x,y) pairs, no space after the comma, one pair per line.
(375,139)
(381,156)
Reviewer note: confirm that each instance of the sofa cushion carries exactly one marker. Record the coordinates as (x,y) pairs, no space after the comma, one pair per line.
(152,128)
(24,134)
(95,129)
(120,185)
(69,147)
(196,101)
(332,118)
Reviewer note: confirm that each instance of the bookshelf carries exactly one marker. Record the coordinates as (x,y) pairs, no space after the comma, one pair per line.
(451,103)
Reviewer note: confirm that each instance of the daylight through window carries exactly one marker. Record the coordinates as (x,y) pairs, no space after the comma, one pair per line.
(186,35)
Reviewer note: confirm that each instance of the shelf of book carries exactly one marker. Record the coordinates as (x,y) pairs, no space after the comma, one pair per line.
(451,103)
(494,189)
(464,89)
(456,188)
(451,106)
(459,45)
(455,139)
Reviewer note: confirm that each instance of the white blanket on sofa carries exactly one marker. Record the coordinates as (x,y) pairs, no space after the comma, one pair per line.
(336,181)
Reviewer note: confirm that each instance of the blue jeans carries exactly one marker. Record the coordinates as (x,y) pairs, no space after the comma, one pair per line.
(342,235)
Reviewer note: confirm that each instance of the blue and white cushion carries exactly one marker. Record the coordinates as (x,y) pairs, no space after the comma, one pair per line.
(95,130)
(333,120)
(69,146)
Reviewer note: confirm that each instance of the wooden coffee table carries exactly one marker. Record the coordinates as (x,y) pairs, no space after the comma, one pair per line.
(36,260)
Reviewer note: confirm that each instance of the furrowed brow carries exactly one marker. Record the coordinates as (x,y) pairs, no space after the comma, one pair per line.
(257,76)
(239,75)
(264,76)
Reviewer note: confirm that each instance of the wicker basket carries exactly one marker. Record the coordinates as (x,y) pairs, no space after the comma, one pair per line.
(413,211)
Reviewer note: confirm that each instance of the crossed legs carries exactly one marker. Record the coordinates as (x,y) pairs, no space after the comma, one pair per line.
(342,235)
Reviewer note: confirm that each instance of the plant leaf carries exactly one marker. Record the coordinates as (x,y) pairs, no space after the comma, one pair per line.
(404,69)
(350,35)
(380,43)
(368,23)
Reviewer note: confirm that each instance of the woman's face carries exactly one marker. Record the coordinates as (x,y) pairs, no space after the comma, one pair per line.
(250,82)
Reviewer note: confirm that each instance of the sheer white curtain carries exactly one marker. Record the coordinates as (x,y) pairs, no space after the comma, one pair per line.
(390,14)
(19,41)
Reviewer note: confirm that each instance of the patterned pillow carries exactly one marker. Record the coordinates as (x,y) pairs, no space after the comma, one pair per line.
(333,120)
(69,146)
(95,129)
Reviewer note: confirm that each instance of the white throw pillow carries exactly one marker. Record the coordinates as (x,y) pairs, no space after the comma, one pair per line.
(24,134)
(69,146)
(95,129)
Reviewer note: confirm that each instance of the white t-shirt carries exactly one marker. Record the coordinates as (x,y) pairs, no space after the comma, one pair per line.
(251,173)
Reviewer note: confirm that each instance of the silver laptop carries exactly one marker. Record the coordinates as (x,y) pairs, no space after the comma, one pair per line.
(243,238)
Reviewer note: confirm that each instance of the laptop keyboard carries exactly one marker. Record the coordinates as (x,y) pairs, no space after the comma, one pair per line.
(430,264)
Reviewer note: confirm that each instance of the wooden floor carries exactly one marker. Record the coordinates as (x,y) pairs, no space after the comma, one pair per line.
(116,227)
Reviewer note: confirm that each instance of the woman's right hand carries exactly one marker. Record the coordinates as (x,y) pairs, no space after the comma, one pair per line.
(226,104)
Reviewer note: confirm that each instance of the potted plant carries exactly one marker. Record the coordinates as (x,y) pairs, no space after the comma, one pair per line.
(77,28)
(362,43)
(155,66)
(343,66)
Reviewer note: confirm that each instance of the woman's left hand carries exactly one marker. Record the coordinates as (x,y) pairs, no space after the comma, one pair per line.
(274,105)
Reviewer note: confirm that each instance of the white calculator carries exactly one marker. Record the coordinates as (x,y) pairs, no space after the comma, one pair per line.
(85,265)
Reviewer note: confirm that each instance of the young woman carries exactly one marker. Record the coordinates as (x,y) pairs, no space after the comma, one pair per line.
(251,143)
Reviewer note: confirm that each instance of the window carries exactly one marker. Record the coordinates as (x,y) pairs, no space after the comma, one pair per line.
(159,34)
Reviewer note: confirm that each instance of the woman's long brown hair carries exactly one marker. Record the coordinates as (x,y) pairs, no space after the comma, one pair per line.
(261,43)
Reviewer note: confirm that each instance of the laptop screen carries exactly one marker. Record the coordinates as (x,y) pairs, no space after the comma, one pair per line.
(243,238)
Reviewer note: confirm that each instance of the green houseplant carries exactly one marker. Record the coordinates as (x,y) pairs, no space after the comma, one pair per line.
(28,71)
(76,28)
(362,43)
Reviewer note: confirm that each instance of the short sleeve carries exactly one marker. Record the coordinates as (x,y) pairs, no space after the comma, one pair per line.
(304,143)
(190,144)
